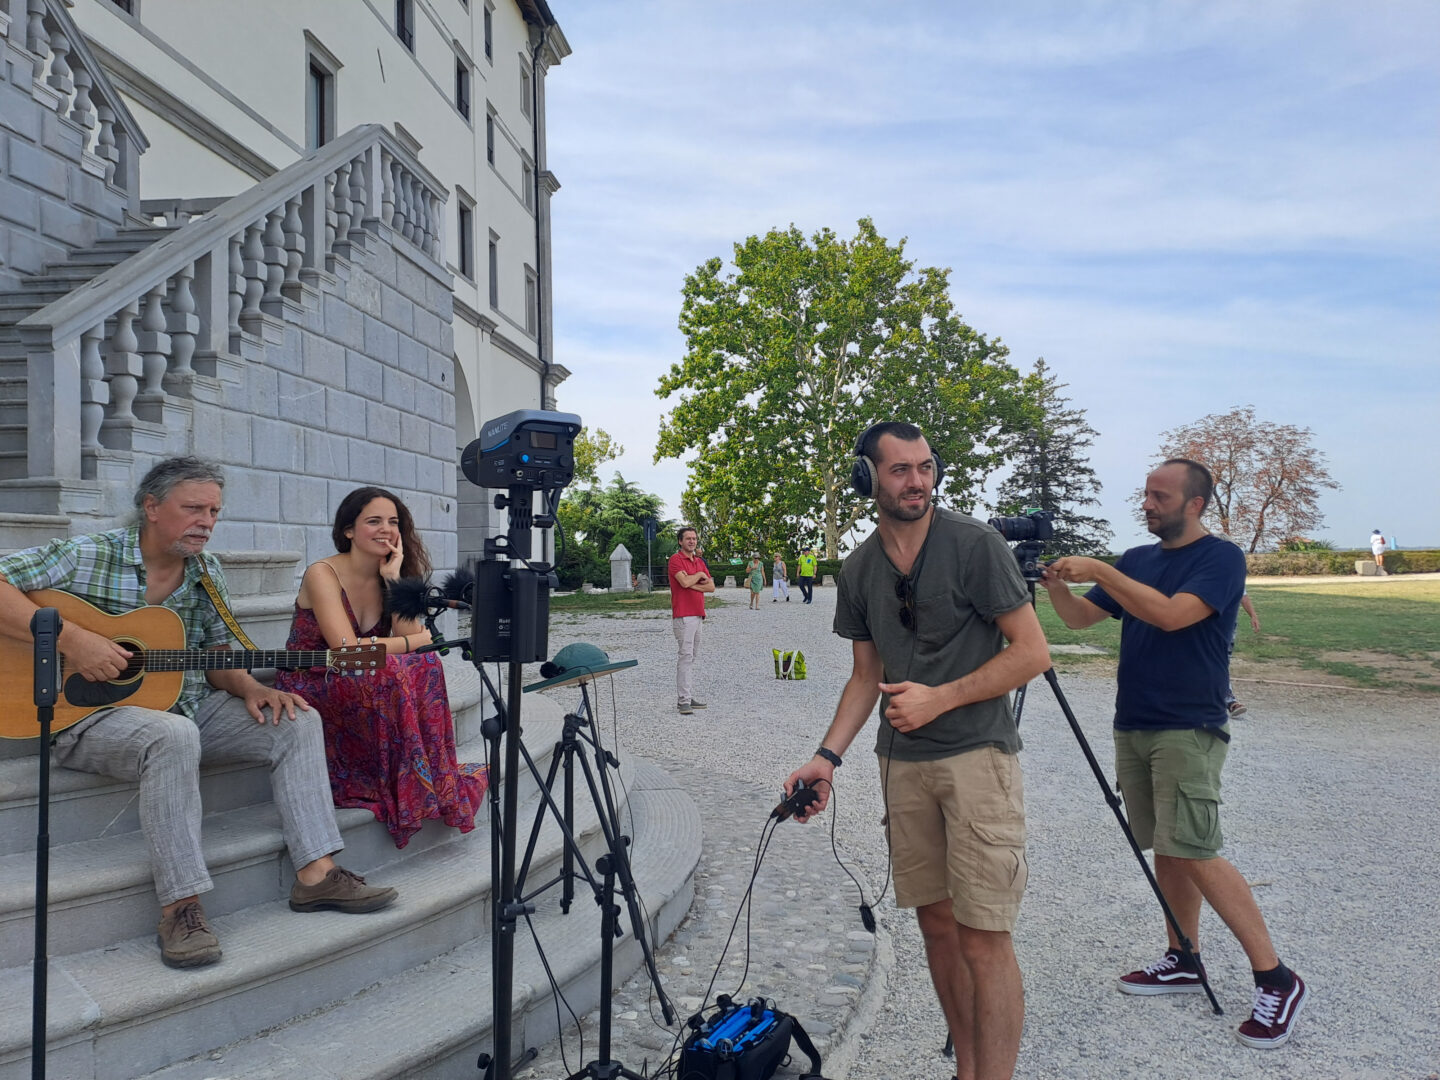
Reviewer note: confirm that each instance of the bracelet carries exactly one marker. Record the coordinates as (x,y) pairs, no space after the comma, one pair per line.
(406,639)
(829,755)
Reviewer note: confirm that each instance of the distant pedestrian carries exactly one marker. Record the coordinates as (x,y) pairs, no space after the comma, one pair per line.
(780,580)
(756,570)
(1236,708)
(1378,548)
(690,580)
(806,566)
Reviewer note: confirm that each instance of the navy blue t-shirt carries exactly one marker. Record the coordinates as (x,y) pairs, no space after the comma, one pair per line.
(1177,679)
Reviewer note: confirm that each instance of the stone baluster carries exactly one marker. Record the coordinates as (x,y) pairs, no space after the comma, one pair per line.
(37,38)
(122,363)
(83,111)
(329,187)
(433,201)
(294,229)
(94,391)
(273,302)
(237,289)
(105,147)
(422,216)
(359,203)
(409,230)
(154,345)
(387,190)
(397,217)
(60,80)
(183,324)
(255,274)
(342,211)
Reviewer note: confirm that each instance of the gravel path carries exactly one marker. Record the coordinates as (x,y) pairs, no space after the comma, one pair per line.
(1332,806)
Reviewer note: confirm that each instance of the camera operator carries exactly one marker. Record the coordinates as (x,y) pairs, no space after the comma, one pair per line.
(1177,602)
(928,602)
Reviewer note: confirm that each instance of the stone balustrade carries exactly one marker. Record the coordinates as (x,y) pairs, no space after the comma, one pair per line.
(104,361)
(69,82)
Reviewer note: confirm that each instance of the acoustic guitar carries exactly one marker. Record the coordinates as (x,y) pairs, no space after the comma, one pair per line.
(156,672)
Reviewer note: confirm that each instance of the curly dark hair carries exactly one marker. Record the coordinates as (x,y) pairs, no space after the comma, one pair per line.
(416,562)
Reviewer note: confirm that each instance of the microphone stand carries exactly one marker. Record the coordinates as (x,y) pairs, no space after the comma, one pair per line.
(45,627)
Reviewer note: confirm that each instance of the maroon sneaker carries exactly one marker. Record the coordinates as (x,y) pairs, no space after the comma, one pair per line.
(1168,975)
(1272,1017)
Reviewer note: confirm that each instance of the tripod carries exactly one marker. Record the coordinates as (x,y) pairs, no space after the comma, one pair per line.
(580,731)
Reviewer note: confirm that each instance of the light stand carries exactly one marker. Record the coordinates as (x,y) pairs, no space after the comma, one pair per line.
(45,627)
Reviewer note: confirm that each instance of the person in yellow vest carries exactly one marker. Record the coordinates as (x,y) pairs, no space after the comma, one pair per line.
(807,574)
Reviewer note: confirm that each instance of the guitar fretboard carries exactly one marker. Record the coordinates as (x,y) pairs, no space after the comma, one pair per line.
(220,659)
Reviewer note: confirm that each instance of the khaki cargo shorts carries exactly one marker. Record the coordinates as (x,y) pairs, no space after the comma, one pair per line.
(957,832)
(1170,781)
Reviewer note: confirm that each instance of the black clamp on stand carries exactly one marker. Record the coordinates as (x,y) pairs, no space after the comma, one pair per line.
(45,626)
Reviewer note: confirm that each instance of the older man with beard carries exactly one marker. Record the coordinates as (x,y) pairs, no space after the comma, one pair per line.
(928,602)
(161,559)
(1177,602)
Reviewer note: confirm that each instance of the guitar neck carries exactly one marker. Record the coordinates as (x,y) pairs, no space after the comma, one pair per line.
(229,659)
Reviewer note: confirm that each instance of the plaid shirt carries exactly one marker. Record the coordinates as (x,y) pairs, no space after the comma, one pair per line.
(107,570)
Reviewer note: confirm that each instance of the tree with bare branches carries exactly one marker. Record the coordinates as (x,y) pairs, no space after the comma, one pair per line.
(1268,476)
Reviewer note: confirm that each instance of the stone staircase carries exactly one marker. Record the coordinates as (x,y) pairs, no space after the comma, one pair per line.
(401,992)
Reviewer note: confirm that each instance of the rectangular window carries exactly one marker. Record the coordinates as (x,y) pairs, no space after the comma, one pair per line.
(125,5)
(466,247)
(489,34)
(490,138)
(405,23)
(494,271)
(527,184)
(524,88)
(319,106)
(462,87)
(532,301)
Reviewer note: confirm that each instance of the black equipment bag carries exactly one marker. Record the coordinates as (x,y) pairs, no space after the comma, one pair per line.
(744,1042)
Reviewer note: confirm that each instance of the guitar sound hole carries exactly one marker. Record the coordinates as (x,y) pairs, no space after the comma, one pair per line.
(136,666)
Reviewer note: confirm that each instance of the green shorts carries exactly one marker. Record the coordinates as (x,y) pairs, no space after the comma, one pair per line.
(1170,781)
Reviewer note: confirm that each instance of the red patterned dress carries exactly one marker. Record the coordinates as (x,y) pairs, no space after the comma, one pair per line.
(389,736)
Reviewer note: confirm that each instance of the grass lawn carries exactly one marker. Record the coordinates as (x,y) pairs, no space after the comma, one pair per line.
(1380,634)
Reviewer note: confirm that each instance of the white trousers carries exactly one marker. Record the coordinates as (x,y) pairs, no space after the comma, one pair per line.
(687,635)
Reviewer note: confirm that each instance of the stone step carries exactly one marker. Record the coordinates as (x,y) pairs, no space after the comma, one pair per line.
(117,1012)
(29,530)
(432,1021)
(48,495)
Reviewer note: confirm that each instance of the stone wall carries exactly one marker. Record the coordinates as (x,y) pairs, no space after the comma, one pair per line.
(360,390)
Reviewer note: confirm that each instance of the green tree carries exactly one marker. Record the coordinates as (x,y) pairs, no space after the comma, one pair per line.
(593,449)
(1050,469)
(596,519)
(793,354)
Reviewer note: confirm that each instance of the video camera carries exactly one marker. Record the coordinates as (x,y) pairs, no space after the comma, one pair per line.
(525,451)
(1028,533)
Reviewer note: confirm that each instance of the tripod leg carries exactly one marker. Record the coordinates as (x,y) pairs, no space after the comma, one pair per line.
(1110,797)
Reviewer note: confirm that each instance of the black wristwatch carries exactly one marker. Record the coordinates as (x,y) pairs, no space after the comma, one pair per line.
(830,756)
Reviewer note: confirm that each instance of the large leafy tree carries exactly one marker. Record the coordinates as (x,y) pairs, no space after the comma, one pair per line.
(593,449)
(1268,476)
(1050,469)
(792,354)
(596,519)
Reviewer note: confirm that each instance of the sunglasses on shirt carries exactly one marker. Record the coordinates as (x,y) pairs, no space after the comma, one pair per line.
(905,593)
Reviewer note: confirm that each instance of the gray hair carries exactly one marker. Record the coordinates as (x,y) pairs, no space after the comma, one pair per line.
(164,475)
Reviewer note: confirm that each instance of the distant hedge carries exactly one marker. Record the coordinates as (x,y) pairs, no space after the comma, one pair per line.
(1302,563)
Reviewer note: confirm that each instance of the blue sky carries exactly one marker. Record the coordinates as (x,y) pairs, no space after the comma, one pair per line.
(1182,206)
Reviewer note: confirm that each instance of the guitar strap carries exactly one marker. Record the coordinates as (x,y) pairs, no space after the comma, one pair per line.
(220,606)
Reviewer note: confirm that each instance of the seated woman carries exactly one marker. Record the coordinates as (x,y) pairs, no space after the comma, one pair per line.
(389,736)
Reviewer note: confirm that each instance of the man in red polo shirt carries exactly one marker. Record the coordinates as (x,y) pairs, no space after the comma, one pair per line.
(690,580)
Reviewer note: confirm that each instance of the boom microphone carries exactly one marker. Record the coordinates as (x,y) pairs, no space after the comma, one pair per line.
(460,586)
(414,598)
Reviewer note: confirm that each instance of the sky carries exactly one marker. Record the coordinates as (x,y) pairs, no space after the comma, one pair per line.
(1183,207)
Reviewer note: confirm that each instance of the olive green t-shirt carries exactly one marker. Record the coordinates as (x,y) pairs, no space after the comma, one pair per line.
(965,577)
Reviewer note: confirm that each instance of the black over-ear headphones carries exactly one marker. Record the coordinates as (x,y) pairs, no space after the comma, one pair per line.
(864,475)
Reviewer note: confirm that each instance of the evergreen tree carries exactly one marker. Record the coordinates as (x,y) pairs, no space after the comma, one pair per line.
(1051,471)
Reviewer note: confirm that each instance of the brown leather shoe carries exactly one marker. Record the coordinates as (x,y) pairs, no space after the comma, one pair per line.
(340,890)
(186,939)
